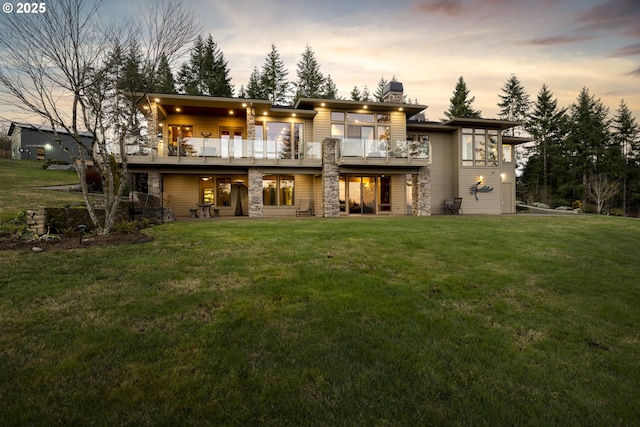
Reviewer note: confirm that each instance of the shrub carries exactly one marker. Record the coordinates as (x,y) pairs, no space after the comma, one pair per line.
(130,227)
(16,227)
(576,205)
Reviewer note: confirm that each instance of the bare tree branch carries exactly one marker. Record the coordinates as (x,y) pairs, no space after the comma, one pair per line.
(57,65)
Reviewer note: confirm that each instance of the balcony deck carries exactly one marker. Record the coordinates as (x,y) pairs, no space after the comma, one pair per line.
(251,153)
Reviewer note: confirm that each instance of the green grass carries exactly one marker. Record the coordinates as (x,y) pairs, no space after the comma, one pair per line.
(450,320)
(21,180)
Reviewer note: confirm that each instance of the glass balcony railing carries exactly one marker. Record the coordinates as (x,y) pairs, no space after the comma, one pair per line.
(376,148)
(225,148)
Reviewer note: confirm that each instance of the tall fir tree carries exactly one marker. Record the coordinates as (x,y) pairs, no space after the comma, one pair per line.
(273,78)
(366,95)
(206,72)
(254,90)
(164,81)
(355,94)
(626,135)
(588,138)
(547,125)
(514,103)
(460,104)
(310,81)
(329,89)
(379,93)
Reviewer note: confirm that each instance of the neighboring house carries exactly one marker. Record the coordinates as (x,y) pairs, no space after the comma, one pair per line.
(30,142)
(342,158)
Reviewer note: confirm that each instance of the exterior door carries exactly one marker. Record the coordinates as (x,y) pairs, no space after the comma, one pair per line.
(508,205)
(362,194)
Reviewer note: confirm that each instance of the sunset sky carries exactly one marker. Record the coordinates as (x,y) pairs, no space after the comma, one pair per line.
(428,44)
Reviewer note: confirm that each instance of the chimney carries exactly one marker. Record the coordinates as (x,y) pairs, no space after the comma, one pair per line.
(393,92)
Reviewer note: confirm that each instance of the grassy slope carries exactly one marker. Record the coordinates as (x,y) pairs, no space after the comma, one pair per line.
(20,179)
(379,321)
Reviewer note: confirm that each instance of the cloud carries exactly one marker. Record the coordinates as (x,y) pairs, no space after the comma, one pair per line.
(630,50)
(634,73)
(556,40)
(446,7)
(620,16)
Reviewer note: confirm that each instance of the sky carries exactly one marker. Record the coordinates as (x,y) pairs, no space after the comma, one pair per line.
(428,44)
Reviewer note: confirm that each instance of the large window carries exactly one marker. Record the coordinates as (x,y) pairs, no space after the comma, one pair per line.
(278,190)
(479,147)
(277,142)
(367,134)
(216,191)
(360,125)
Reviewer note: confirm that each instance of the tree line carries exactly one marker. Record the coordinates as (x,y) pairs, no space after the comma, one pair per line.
(206,73)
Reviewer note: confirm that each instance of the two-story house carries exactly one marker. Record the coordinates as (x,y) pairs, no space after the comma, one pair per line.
(341,158)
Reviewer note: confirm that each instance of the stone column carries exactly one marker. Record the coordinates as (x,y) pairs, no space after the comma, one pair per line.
(152,125)
(255,193)
(421,192)
(154,184)
(251,129)
(330,180)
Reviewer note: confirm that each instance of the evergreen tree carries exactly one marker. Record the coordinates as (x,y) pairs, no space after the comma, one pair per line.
(366,95)
(547,125)
(626,135)
(242,93)
(355,94)
(310,80)
(588,138)
(218,81)
(460,103)
(164,81)
(273,79)
(206,72)
(128,67)
(329,90)
(379,93)
(515,102)
(254,88)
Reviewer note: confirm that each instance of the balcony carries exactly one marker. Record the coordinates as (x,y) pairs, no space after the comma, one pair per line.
(362,151)
(220,151)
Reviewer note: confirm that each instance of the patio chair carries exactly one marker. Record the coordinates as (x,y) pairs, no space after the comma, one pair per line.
(457,205)
(303,208)
(448,206)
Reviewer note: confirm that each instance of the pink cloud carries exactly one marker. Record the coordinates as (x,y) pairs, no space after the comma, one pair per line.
(446,7)
(556,40)
(615,15)
(631,50)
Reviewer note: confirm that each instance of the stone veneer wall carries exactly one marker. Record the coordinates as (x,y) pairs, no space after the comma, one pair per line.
(255,193)
(421,192)
(153,184)
(330,180)
(152,125)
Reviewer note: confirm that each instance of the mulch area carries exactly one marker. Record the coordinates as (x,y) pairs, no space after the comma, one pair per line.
(72,242)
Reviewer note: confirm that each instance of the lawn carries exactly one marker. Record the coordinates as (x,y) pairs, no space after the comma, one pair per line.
(21,184)
(449,320)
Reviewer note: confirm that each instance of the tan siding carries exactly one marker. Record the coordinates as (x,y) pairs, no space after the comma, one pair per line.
(509,171)
(303,189)
(441,165)
(317,211)
(398,195)
(487,203)
(183,193)
(308,131)
(398,126)
(322,125)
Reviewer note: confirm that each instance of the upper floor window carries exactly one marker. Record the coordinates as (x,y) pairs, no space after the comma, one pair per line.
(479,147)
(363,126)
